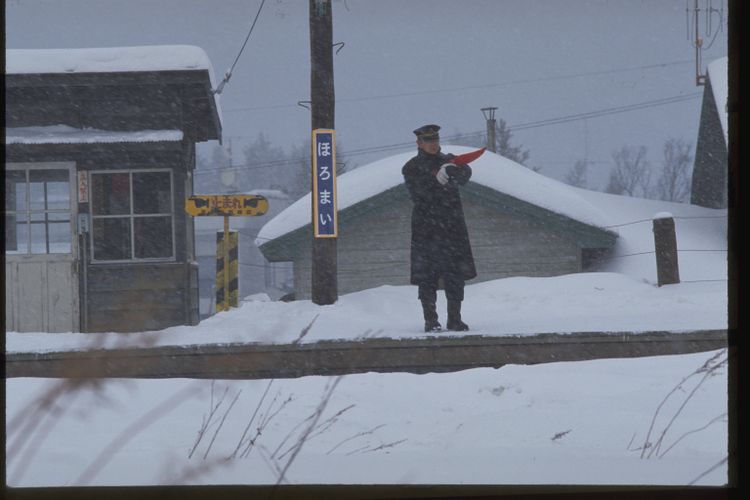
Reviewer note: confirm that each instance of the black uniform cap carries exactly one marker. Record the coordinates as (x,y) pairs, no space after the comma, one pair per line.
(428,133)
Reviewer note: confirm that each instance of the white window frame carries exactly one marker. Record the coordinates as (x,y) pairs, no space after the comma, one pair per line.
(72,209)
(132,216)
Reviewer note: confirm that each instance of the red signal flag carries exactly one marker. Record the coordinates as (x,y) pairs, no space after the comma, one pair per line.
(467,157)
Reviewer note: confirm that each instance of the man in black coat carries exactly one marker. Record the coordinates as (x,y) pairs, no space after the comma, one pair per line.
(440,246)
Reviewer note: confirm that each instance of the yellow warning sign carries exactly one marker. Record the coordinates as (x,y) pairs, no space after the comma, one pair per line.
(226,204)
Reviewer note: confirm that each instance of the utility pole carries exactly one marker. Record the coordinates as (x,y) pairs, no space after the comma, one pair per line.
(489,115)
(699,78)
(324,250)
(693,20)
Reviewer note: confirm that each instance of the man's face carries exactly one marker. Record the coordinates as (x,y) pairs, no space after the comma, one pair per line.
(431,147)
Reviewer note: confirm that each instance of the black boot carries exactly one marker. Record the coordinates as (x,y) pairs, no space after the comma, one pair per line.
(430,317)
(454,317)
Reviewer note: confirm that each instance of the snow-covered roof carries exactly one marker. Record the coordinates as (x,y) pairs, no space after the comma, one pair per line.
(64,134)
(490,170)
(112,60)
(107,60)
(718,73)
(269,193)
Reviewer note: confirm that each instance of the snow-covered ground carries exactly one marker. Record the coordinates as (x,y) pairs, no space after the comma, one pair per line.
(557,423)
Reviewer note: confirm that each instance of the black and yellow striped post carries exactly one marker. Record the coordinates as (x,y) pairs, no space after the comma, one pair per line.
(227,264)
(227,270)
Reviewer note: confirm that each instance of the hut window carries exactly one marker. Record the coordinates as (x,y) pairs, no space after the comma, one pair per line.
(132,215)
(37,211)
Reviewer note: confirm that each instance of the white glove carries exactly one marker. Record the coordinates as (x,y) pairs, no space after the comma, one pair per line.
(442,174)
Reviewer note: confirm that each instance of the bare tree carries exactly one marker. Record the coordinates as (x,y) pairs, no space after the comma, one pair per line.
(265,165)
(503,136)
(212,169)
(631,175)
(300,178)
(576,176)
(674,183)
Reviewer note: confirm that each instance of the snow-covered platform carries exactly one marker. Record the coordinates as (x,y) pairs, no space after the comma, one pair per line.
(440,353)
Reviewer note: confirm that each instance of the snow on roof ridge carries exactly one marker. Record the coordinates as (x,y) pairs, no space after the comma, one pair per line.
(64,134)
(490,170)
(106,59)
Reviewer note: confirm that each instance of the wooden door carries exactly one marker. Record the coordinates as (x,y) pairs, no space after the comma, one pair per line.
(41,275)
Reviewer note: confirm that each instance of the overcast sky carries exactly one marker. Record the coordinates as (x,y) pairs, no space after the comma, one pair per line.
(410,62)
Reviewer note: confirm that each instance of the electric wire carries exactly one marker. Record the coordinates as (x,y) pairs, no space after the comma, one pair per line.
(683,217)
(523,126)
(471,87)
(228,74)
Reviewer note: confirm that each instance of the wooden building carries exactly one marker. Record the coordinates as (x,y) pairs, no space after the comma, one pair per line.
(710,170)
(510,234)
(100,150)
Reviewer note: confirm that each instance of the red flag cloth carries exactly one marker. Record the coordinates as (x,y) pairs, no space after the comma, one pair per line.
(467,157)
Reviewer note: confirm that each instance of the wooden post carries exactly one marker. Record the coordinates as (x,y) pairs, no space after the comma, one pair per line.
(324,250)
(665,243)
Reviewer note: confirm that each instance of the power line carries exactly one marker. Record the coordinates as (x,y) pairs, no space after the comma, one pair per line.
(609,111)
(472,87)
(228,74)
(523,126)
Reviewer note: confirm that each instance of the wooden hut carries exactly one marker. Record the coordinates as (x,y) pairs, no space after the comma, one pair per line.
(100,150)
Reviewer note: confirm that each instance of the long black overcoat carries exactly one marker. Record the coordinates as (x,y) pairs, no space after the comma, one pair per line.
(439,239)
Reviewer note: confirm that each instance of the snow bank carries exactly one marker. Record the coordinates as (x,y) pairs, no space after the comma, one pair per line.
(584,302)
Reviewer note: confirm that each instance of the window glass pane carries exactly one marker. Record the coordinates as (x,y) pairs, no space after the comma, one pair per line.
(36,196)
(111,239)
(152,193)
(110,194)
(59,237)
(15,190)
(16,234)
(49,189)
(58,217)
(153,237)
(58,196)
(38,234)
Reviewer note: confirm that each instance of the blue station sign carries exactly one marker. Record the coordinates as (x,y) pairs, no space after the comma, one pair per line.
(325,220)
